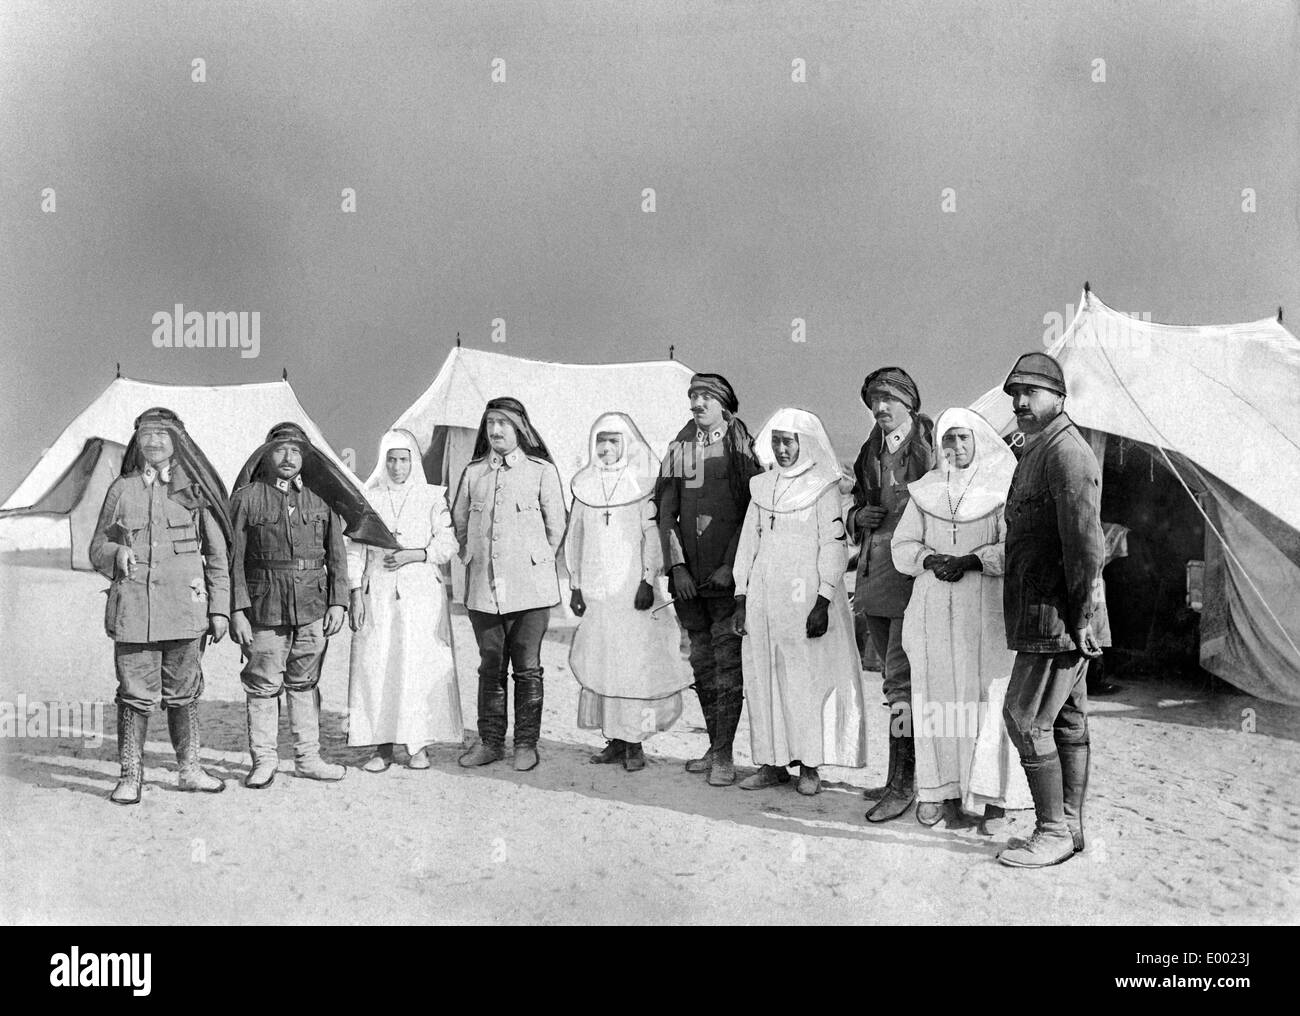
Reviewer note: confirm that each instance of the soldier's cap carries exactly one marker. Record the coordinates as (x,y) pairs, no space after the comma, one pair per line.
(287,431)
(1039,370)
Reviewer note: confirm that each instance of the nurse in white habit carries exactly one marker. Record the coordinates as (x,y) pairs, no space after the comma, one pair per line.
(799,654)
(624,656)
(402,687)
(952,536)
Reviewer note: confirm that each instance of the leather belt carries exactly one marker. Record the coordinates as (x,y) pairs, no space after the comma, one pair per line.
(297,564)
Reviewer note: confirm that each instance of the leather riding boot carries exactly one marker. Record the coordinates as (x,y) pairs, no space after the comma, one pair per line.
(1051,842)
(613,751)
(1075,760)
(633,757)
(304,724)
(1075,765)
(131,730)
(726,718)
(492,712)
(705,693)
(183,726)
(878,793)
(528,719)
(263,735)
(902,789)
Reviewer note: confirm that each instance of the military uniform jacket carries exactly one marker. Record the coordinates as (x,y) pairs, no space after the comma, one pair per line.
(880,589)
(509,518)
(180,576)
(289,561)
(699,517)
(1055,546)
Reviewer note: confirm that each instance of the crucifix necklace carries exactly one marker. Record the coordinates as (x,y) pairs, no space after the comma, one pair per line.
(397,510)
(610,493)
(776,500)
(953,509)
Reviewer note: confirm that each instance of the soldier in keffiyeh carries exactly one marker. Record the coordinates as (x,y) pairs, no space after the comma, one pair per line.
(701,500)
(161,538)
(509,517)
(897,451)
(289,589)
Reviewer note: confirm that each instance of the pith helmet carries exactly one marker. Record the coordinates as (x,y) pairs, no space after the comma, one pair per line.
(1037,369)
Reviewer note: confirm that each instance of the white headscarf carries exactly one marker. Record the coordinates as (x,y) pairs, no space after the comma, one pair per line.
(800,484)
(391,441)
(630,479)
(962,495)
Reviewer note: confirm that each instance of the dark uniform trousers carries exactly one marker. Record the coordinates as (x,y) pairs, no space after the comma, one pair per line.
(715,662)
(505,642)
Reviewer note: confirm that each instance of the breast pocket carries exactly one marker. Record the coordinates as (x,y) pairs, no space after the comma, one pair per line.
(132,520)
(313,524)
(182,528)
(1029,510)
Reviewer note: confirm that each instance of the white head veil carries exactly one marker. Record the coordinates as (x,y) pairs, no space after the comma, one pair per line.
(962,495)
(630,479)
(799,485)
(396,440)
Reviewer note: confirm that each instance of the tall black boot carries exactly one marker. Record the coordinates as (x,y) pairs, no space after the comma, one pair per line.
(705,670)
(878,793)
(1075,764)
(528,719)
(902,788)
(726,714)
(131,730)
(491,722)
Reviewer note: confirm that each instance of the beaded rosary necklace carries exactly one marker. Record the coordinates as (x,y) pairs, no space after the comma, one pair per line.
(953,509)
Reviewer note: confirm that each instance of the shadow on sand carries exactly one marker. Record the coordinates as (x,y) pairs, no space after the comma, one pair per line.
(54,764)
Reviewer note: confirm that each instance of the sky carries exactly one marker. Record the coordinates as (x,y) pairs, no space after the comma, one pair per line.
(822,200)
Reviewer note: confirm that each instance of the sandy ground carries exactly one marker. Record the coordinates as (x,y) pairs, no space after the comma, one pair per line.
(1191,818)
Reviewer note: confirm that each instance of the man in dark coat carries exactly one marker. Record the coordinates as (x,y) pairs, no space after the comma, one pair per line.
(289,589)
(702,496)
(1054,606)
(898,450)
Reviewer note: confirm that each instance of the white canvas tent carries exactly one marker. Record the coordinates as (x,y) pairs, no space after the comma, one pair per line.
(1219,405)
(51,516)
(562,400)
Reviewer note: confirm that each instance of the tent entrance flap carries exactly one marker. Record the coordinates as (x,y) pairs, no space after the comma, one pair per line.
(1236,634)
(1152,627)
(74,500)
